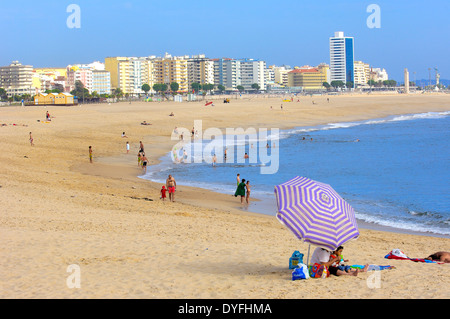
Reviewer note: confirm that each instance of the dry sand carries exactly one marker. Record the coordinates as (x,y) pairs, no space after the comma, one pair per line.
(57,209)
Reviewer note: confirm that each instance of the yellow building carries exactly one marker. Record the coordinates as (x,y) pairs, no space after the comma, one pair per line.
(171,69)
(54,99)
(130,73)
(308,78)
(64,99)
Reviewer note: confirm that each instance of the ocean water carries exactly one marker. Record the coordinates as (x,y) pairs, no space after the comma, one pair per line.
(394,171)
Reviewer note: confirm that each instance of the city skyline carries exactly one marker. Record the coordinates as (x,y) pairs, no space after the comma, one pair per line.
(293,33)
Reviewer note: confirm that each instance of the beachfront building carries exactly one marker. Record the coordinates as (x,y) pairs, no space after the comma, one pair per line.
(378,74)
(169,69)
(81,73)
(17,79)
(281,74)
(49,79)
(227,72)
(130,73)
(269,74)
(308,78)
(63,98)
(362,73)
(200,70)
(253,72)
(101,82)
(342,58)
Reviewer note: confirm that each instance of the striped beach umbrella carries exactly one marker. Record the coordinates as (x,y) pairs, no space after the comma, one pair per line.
(315,213)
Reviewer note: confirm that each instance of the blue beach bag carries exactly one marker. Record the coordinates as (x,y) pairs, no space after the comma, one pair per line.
(301,272)
(297,258)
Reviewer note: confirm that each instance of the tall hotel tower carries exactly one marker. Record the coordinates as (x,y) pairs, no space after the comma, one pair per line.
(342,58)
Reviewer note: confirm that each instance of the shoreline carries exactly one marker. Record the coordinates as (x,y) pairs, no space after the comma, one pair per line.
(260,205)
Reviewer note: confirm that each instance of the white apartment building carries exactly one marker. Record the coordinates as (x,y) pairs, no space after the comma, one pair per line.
(253,72)
(17,79)
(200,70)
(227,72)
(378,74)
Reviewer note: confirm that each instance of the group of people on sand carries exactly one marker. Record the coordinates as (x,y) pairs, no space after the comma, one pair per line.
(243,189)
(334,262)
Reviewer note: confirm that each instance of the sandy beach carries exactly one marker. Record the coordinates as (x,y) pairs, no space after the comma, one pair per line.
(57,209)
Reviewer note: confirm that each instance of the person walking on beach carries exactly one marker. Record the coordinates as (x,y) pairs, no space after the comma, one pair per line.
(163,193)
(247,186)
(144,162)
(238,179)
(31,140)
(141,147)
(214,160)
(128,147)
(90,154)
(240,191)
(171,185)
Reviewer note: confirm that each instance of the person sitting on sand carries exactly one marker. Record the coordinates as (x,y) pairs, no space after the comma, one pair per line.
(322,256)
(171,114)
(340,263)
(123,135)
(441,256)
(145,123)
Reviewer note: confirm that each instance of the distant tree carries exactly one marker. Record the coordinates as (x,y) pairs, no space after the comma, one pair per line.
(240,88)
(3,94)
(371,82)
(157,87)
(256,86)
(221,88)
(196,87)
(337,84)
(208,87)
(326,85)
(349,84)
(118,93)
(145,88)
(80,91)
(174,87)
(390,83)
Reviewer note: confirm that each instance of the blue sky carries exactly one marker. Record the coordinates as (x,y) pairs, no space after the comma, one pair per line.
(413,34)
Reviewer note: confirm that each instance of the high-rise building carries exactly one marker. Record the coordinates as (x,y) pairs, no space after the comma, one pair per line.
(169,69)
(362,73)
(253,72)
(200,70)
(101,81)
(342,58)
(130,73)
(17,79)
(227,72)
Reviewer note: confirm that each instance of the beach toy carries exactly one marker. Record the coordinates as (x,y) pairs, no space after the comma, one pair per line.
(295,260)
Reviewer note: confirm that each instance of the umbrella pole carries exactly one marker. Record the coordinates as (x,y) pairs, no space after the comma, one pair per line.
(309,246)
